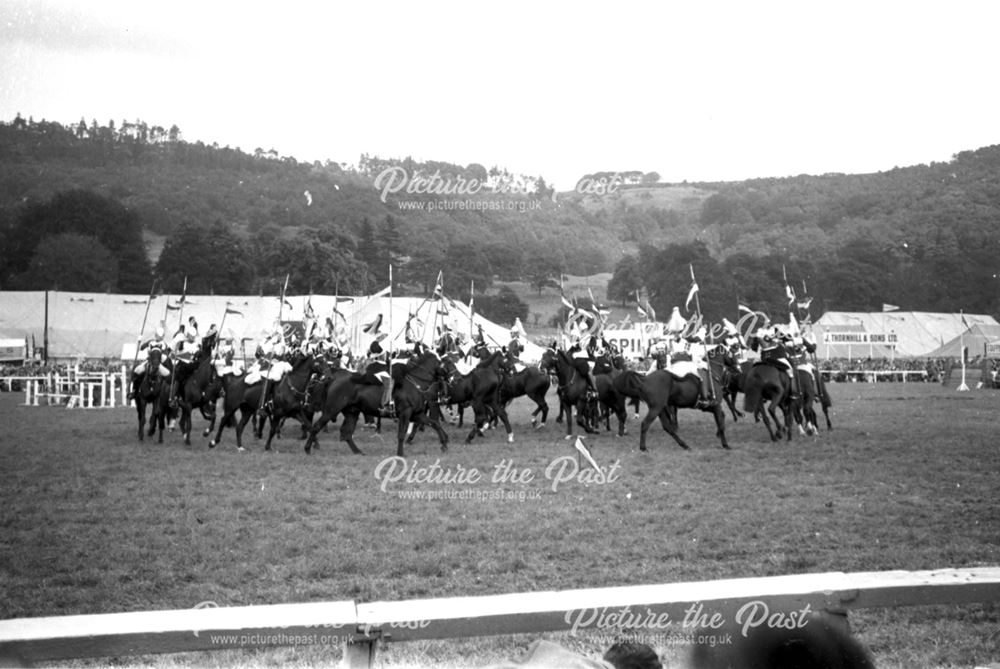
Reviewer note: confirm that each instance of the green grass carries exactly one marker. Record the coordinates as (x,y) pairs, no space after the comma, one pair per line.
(93,521)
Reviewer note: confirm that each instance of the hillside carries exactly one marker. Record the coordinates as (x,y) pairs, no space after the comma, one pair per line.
(923,237)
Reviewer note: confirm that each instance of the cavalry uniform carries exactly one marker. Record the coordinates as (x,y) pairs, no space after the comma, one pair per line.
(691,358)
(774,347)
(584,359)
(514,350)
(157,343)
(225,359)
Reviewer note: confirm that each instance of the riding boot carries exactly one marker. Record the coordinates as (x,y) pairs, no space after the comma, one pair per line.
(387,408)
(591,385)
(796,393)
(705,400)
(262,409)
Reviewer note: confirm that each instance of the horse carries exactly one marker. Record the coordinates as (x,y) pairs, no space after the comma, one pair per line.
(664,393)
(531,382)
(238,396)
(763,383)
(812,389)
(152,391)
(572,391)
(417,384)
(481,389)
(199,386)
(290,396)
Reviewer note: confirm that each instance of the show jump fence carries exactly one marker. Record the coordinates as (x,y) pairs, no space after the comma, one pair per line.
(74,388)
(359,627)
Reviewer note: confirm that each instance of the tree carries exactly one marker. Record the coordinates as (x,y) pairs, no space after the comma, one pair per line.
(213,259)
(86,213)
(626,280)
(503,307)
(70,261)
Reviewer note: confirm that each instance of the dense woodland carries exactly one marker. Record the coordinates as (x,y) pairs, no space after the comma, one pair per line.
(108,207)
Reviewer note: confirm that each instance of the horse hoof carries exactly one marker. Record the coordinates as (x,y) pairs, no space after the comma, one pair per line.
(539,426)
(510,438)
(240,449)
(211,444)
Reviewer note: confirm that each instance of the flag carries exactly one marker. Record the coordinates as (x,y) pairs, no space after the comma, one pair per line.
(692,292)
(676,322)
(650,311)
(472,296)
(804,303)
(790,294)
(965,323)
(642,312)
(307,312)
(566,303)
(439,286)
(184,291)
(230,310)
(585,452)
(382,293)
(889,307)
(373,327)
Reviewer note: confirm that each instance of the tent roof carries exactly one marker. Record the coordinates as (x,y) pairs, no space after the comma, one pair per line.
(974,339)
(102,325)
(918,333)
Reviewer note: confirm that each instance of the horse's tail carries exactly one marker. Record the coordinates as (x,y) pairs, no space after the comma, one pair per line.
(752,393)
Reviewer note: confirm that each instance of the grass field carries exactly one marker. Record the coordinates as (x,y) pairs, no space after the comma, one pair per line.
(93,521)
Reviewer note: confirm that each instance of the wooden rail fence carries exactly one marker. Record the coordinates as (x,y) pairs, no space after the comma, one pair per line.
(359,627)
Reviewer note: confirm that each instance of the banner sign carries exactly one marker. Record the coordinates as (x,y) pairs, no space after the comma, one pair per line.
(993,349)
(880,338)
(633,342)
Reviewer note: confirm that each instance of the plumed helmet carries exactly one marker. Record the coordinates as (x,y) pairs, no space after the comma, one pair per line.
(159,333)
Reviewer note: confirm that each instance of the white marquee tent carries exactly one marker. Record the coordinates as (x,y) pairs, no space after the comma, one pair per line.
(879,334)
(103,325)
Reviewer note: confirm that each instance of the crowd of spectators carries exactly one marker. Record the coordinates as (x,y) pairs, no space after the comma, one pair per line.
(931,370)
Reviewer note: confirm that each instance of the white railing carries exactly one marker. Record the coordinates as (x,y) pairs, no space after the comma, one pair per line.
(73,388)
(358,627)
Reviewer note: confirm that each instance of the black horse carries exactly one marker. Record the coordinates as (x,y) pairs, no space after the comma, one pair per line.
(664,393)
(530,382)
(198,387)
(152,391)
(812,390)
(480,388)
(416,391)
(572,391)
(238,396)
(767,388)
(290,397)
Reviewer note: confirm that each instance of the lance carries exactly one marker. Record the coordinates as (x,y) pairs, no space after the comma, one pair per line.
(149,301)
(281,308)
(697,307)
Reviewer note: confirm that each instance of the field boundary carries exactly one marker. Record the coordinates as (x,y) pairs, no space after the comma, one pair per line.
(358,627)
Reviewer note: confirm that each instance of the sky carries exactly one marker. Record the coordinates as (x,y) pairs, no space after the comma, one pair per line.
(696,91)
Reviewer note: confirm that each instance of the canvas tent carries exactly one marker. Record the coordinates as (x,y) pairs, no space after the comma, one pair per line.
(103,325)
(842,334)
(976,340)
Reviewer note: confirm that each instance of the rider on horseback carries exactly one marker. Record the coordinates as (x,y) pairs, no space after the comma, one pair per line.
(699,351)
(378,356)
(514,349)
(584,359)
(157,343)
(774,349)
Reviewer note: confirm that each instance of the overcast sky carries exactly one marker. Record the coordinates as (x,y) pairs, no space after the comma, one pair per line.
(692,90)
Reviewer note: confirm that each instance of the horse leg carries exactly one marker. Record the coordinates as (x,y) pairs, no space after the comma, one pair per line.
(245,415)
(402,429)
(479,418)
(763,412)
(668,420)
(227,416)
(720,424)
(566,411)
(347,431)
(501,413)
(644,427)
(141,411)
(275,424)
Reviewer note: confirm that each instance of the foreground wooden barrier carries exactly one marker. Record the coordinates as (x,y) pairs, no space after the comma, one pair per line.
(359,627)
